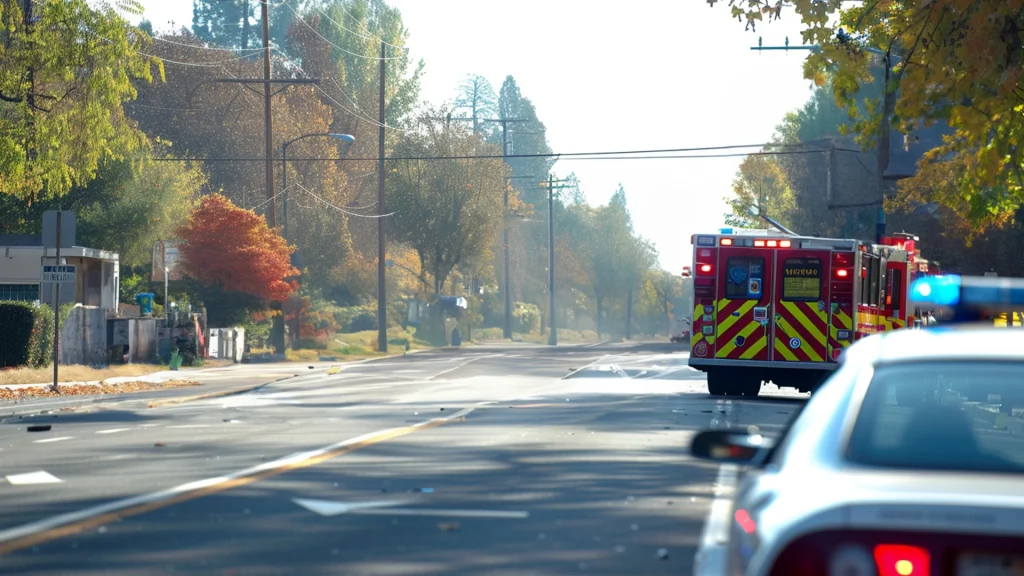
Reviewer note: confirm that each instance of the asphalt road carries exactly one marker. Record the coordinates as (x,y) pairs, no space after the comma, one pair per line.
(506,460)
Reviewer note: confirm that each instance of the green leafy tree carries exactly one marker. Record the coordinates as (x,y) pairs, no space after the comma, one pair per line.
(760,187)
(960,62)
(64,77)
(135,210)
(447,210)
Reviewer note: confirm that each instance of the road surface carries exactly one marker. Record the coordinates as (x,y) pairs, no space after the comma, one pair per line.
(504,459)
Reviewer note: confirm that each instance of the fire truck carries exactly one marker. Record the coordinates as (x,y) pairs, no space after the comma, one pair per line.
(774,306)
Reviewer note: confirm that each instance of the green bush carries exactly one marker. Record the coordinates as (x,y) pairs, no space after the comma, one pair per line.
(27,337)
(525,318)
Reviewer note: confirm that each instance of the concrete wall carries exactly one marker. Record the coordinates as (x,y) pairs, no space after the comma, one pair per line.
(83,336)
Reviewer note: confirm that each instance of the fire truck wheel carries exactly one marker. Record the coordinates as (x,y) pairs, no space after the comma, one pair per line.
(716,383)
(752,388)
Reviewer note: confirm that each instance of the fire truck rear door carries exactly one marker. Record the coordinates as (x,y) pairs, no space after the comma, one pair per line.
(742,311)
(800,314)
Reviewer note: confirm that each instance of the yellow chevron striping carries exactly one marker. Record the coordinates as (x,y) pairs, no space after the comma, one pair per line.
(726,324)
(804,321)
(783,350)
(729,346)
(754,350)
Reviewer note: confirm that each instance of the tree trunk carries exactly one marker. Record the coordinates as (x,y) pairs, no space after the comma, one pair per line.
(600,309)
(629,314)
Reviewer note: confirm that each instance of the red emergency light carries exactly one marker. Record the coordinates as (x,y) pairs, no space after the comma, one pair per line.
(785,243)
(759,243)
(726,241)
(773,243)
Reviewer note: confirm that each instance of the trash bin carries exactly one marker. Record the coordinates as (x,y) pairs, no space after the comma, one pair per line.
(456,337)
(145,302)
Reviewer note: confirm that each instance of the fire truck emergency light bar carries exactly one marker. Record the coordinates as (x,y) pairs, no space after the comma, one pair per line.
(969,292)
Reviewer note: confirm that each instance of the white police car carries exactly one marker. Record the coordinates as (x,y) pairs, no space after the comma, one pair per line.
(908,461)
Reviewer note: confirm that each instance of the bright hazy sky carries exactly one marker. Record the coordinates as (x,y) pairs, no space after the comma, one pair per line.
(607,76)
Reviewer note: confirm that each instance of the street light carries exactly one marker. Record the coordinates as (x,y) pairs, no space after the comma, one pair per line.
(297,258)
(346,138)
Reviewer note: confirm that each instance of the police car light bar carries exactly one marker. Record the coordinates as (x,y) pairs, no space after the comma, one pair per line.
(969,292)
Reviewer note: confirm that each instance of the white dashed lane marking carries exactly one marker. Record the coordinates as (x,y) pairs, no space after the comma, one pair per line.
(57,439)
(113,430)
(37,477)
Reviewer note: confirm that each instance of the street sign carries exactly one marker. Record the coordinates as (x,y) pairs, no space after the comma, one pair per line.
(59,274)
(67,229)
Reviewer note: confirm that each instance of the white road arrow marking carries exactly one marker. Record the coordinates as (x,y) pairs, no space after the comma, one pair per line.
(329,508)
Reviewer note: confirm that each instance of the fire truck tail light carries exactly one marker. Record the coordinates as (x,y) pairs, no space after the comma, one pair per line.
(842,273)
(785,243)
(726,241)
(842,259)
(705,268)
(759,243)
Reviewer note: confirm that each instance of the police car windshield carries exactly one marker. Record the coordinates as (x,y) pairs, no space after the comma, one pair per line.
(965,415)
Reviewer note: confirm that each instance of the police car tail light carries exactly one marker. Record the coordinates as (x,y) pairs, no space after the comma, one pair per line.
(902,560)
(852,560)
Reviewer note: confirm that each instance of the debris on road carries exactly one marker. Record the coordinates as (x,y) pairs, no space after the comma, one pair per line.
(662,554)
(448,526)
(39,428)
(159,445)
(24,392)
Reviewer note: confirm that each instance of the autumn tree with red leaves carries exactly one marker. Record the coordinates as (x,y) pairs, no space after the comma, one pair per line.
(233,248)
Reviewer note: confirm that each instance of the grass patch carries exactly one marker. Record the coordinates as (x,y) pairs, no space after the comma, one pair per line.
(75,373)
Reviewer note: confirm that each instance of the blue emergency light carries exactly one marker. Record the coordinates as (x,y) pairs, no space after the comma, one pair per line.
(936,290)
(971,292)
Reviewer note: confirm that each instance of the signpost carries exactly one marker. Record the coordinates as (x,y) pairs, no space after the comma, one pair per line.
(58,232)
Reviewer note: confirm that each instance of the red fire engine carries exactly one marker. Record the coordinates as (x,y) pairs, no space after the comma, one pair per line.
(774,306)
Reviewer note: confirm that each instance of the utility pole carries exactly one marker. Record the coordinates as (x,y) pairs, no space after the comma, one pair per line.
(552,315)
(268,125)
(508,290)
(382,309)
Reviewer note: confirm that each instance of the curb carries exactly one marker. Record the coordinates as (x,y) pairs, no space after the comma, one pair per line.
(217,394)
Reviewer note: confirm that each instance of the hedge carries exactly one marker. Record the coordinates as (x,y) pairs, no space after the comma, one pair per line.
(27,337)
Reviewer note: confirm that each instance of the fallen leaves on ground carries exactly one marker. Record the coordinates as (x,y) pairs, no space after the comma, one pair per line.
(74,373)
(91,389)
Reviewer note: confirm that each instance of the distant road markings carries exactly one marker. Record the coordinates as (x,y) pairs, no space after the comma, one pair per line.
(387,508)
(112,430)
(48,440)
(37,477)
(61,525)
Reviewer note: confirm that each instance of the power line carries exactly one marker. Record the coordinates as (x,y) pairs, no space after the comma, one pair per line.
(666,154)
(345,50)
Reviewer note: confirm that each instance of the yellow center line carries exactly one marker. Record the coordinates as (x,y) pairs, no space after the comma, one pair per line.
(102,517)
